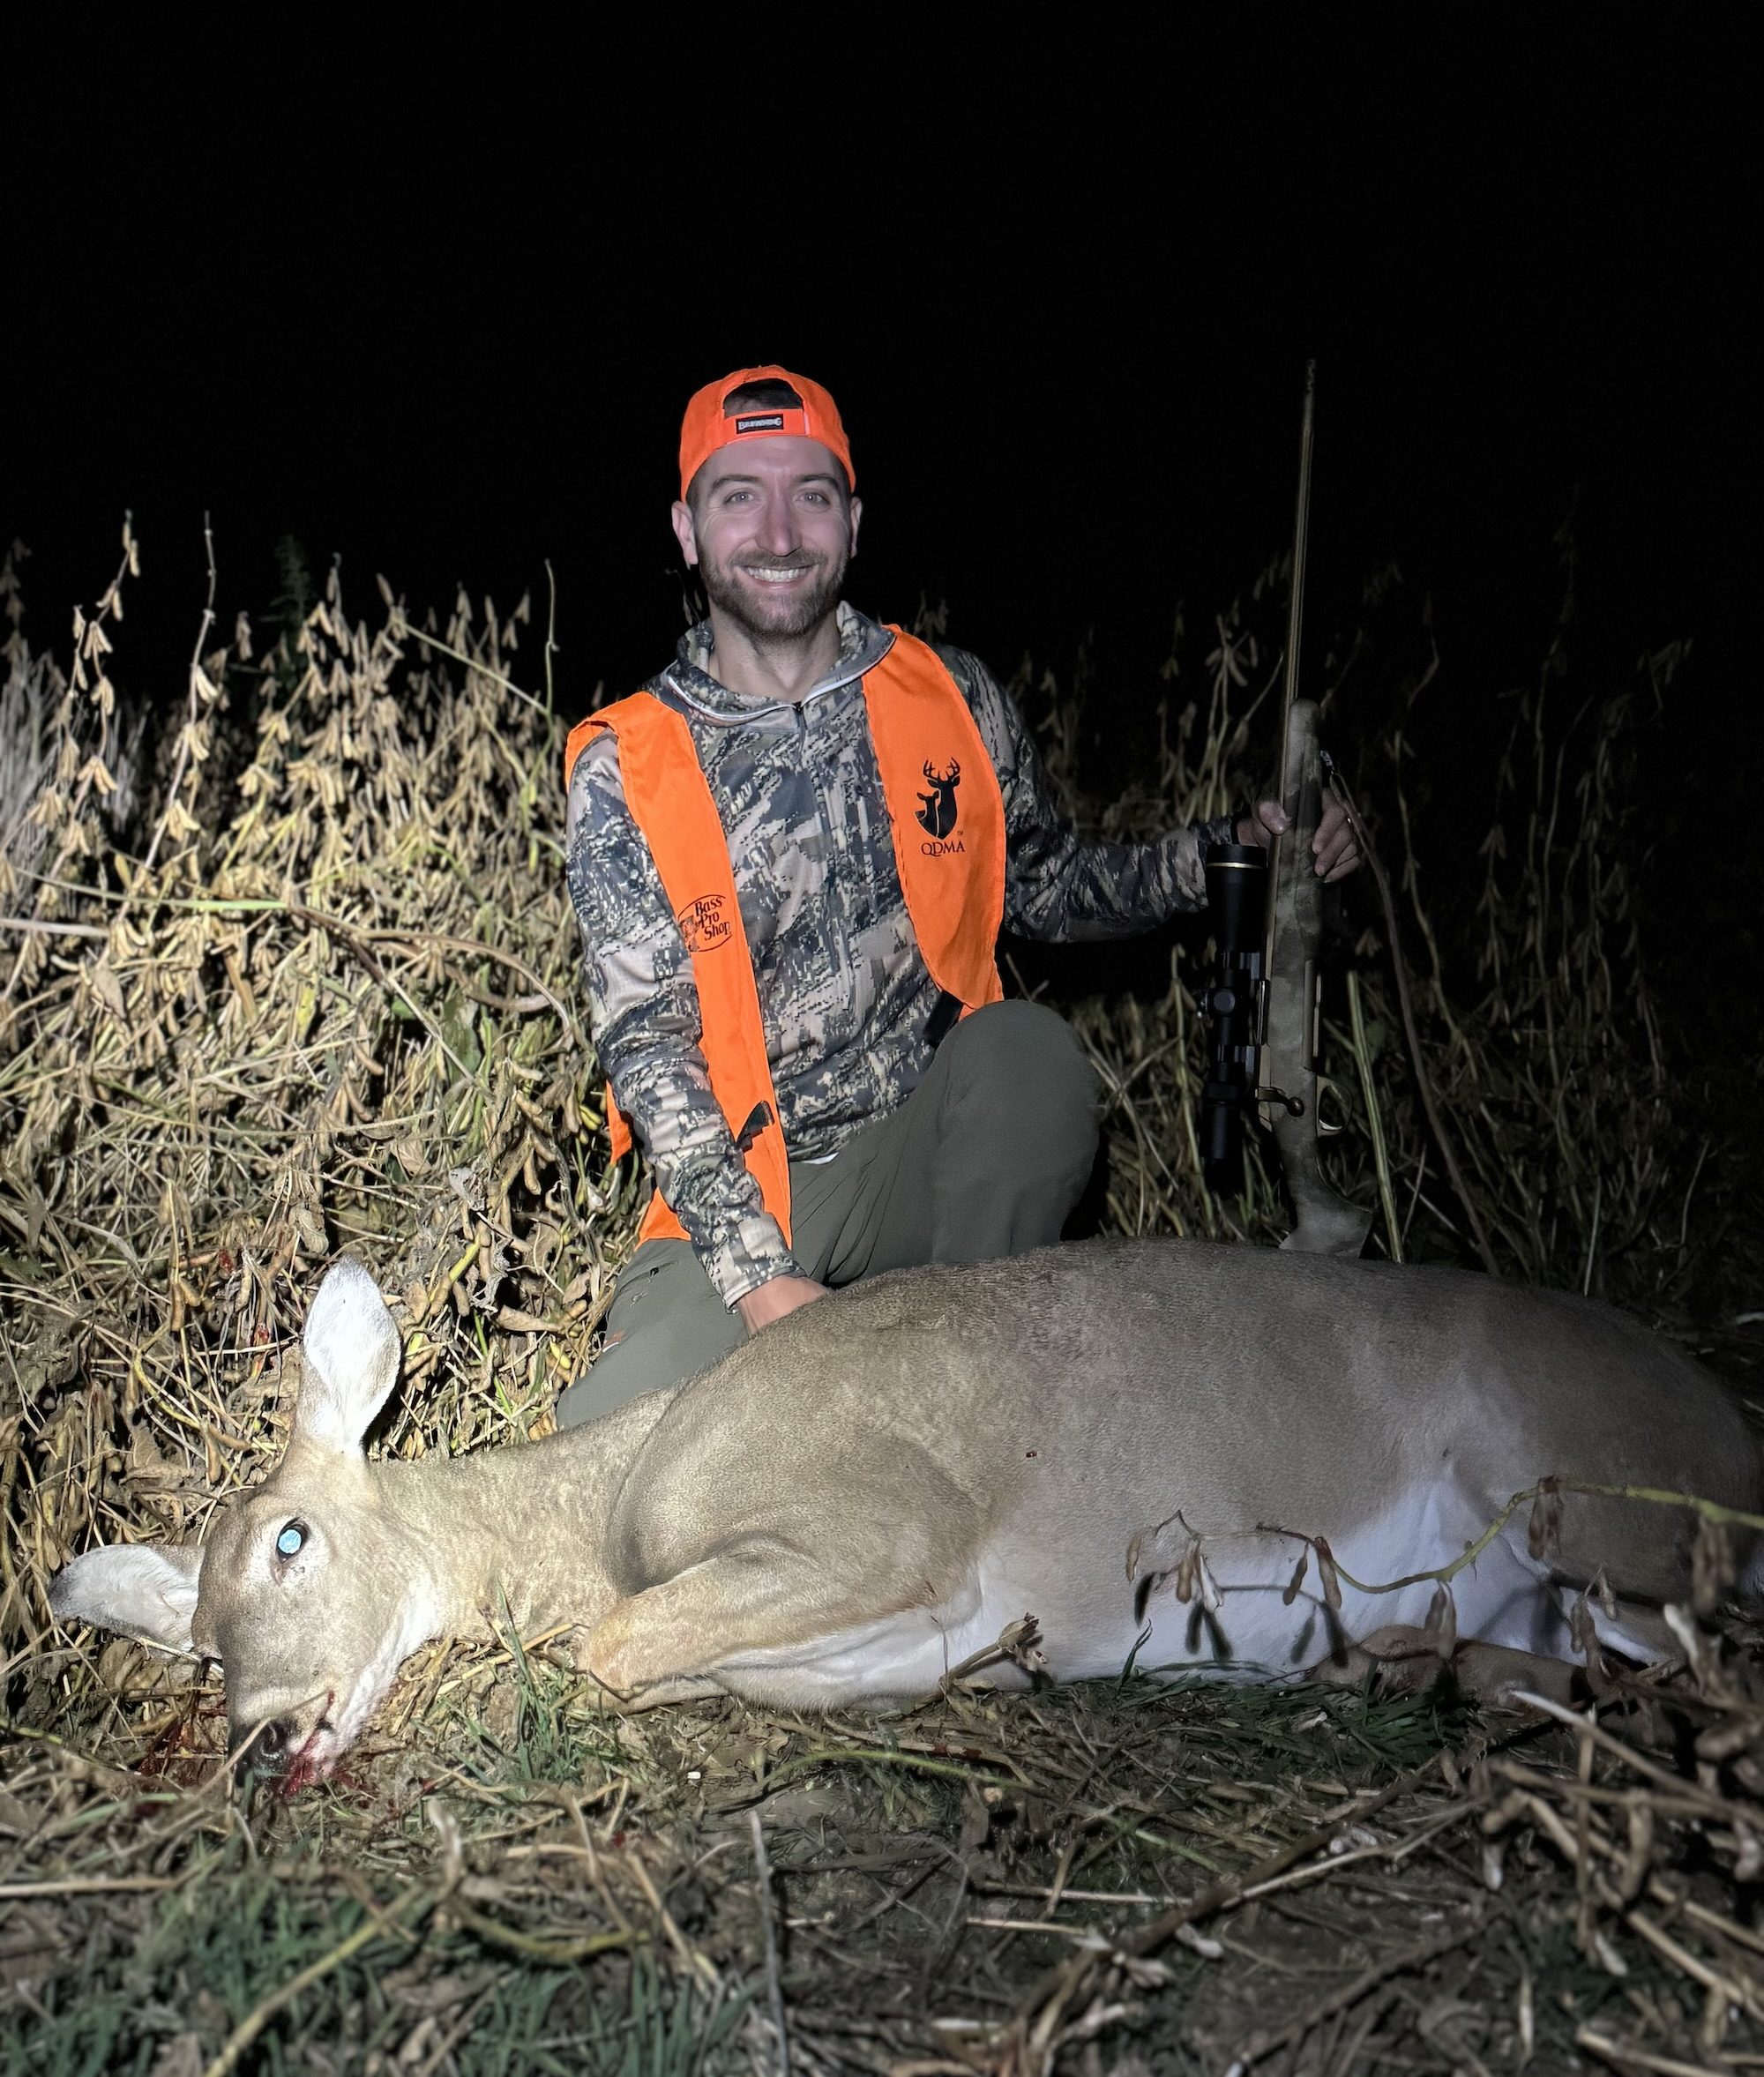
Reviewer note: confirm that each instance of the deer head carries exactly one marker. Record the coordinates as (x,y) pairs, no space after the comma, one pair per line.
(308,1589)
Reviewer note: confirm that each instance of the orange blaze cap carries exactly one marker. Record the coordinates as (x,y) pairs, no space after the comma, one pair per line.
(705,428)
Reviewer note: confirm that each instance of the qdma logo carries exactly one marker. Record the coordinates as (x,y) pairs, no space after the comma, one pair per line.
(938,810)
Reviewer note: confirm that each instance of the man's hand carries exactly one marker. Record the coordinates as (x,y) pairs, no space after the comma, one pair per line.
(773,1300)
(1337,852)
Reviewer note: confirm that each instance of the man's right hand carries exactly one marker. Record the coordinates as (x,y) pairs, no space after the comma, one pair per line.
(774,1299)
(1336,846)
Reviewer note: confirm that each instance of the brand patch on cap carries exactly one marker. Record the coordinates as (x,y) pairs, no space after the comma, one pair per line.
(765,422)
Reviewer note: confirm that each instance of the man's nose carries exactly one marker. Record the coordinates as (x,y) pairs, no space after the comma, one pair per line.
(777,531)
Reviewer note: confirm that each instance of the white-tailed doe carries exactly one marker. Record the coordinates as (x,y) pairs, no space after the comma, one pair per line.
(867,1494)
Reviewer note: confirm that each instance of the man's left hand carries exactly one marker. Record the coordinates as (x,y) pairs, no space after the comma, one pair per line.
(1335,847)
(772,1299)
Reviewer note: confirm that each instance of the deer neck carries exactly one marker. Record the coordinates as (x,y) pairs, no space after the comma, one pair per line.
(524,1527)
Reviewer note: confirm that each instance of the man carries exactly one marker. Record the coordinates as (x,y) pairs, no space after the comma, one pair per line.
(790,855)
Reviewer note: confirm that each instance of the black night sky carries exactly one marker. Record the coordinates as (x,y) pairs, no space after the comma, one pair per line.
(434,307)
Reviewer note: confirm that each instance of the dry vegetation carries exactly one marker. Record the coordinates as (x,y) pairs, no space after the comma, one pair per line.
(311,984)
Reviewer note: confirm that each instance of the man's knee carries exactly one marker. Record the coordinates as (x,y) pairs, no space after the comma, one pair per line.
(1019,1065)
(665,1325)
(1020,1035)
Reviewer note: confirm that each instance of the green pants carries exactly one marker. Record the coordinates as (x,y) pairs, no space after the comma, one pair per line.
(985,1158)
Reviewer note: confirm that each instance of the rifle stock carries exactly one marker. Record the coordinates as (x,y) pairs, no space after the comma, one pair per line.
(1326,1222)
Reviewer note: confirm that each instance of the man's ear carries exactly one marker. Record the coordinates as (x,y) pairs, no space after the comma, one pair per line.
(685,532)
(855,511)
(352,1349)
(144,1590)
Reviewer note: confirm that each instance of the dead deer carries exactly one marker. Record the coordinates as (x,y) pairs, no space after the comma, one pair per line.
(865,1495)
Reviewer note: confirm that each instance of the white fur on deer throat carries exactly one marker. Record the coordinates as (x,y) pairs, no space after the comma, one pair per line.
(420,1618)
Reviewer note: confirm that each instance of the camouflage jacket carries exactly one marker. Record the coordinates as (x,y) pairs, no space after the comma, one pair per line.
(844,995)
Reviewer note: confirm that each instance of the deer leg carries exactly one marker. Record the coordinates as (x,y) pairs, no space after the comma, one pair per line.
(1404,1660)
(758,1598)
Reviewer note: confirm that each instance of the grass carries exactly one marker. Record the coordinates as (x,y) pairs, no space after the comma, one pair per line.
(220,1952)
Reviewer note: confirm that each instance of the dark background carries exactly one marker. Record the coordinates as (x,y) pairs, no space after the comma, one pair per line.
(434,307)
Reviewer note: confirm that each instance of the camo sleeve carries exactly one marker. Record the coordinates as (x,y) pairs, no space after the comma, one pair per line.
(1056,886)
(644,1006)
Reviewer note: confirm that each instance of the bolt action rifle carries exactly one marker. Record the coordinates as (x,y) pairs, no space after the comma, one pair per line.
(1263,1006)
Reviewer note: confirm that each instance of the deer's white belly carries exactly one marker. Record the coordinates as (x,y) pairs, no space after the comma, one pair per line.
(1505,1596)
(1090,1629)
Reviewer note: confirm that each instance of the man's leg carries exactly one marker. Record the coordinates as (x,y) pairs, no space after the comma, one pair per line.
(987,1157)
(666,1323)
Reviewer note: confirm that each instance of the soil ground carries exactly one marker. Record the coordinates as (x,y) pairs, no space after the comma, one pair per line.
(507,1879)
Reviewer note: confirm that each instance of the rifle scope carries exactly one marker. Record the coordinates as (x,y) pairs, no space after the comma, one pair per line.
(1234,1006)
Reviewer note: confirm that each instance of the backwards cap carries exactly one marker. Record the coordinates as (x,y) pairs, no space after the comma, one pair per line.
(707,428)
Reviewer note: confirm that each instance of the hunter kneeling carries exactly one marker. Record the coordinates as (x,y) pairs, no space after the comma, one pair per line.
(791,854)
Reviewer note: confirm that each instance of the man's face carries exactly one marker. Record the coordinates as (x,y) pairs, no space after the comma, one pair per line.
(771,529)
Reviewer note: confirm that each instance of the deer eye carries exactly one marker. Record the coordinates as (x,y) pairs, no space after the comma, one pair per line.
(292,1539)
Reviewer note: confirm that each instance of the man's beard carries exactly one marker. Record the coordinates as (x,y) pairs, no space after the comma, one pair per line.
(805,612)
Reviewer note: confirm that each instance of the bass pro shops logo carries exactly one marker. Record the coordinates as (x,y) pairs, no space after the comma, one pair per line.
(938,811)
(705,923)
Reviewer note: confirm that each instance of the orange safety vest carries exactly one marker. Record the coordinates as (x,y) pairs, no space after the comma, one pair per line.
(948,820)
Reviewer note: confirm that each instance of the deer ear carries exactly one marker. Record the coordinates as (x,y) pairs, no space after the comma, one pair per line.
(144,1590)
(352,1349)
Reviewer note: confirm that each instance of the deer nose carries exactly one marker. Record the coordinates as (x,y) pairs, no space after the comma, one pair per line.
(268,1745)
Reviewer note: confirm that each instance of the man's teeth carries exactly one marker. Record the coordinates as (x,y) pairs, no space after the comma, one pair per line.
(776,575)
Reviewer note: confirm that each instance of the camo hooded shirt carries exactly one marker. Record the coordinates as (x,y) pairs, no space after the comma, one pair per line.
(844,995)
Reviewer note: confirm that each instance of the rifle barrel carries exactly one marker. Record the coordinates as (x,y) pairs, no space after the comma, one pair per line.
(1295,610)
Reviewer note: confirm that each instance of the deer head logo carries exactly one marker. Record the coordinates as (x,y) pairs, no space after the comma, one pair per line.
(937,815)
